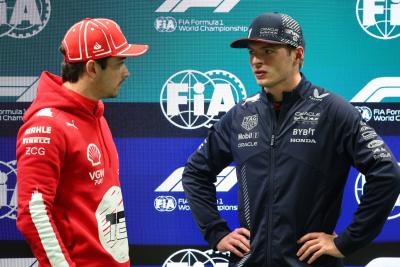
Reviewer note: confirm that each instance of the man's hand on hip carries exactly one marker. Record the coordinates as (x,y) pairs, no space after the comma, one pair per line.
(237,242)
(316,245)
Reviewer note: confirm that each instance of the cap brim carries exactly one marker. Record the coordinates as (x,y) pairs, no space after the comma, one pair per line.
(134,50)
(244,42)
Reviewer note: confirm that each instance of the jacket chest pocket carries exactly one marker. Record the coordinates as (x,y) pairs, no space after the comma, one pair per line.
(245,145)
(303,142)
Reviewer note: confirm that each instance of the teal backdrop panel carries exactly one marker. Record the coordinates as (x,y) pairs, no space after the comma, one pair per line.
(185,35)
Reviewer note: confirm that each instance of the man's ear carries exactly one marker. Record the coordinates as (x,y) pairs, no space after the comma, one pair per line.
(300,53)
(91,68)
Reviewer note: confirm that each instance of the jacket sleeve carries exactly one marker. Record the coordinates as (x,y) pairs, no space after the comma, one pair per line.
(40,155)
(373,158)
(199,177)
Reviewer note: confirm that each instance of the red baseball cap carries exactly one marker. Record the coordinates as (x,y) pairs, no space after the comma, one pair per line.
(98,38)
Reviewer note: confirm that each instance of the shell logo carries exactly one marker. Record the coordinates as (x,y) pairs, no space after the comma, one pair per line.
(93,154)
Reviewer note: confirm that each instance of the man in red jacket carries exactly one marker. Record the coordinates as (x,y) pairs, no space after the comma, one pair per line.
(70,206)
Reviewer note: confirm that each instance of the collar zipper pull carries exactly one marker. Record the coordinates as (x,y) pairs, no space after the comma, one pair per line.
(272,140)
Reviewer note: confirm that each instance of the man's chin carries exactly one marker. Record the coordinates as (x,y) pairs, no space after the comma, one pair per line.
(115,94)
(263,83)
(112,95)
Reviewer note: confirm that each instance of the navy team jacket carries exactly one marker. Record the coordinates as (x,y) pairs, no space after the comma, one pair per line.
(291,170)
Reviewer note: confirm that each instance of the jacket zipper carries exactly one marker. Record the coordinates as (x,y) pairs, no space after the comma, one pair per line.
(103,144)
(271,186)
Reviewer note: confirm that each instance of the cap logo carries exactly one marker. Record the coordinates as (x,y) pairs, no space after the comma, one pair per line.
(97,47)
(294,34)
(269,31)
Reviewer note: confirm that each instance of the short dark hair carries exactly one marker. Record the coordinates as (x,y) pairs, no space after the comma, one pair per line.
(71,72)
(290,49)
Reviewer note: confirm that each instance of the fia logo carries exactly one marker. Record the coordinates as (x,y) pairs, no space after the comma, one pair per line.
(379,18)
(359,189)
(8,190)
(221,6)
(191,99)
(23,18)
(165,24)
(194,258)
(165,203)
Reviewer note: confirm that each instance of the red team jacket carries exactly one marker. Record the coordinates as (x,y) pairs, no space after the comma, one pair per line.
(70,206)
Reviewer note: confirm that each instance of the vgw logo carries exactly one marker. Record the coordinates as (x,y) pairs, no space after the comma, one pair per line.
(8,190)
(221,6)
(359,189)
(197,258)
(379,18)
(23,18)
(191,99)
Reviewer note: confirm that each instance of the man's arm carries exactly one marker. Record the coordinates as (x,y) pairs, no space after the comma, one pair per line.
(40,153)
(372,157)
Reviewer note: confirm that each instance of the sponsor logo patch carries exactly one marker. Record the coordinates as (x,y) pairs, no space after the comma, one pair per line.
(38,130)
(306,117)
(317,96)
(249,122)
(93,154)
(36,140)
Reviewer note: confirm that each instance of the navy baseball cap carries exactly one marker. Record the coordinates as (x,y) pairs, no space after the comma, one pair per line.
(274,28)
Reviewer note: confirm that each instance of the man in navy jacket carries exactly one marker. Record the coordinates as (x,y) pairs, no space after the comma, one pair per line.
(293,144)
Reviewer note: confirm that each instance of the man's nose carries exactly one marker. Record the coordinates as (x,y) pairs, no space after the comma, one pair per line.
(126,72)
(256,61)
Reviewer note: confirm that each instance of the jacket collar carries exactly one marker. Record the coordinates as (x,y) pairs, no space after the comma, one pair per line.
(300,91)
